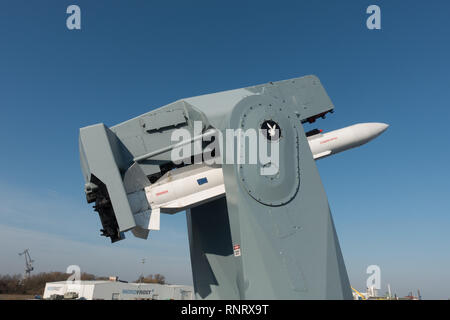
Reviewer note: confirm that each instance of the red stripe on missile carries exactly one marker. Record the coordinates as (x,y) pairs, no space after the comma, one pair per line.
(328,140)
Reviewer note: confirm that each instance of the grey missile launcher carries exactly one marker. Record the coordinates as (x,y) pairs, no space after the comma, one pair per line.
(269,237)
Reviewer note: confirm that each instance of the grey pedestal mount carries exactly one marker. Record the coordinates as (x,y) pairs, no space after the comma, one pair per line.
(281,223)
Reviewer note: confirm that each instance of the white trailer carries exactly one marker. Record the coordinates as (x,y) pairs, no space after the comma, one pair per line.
(117,290)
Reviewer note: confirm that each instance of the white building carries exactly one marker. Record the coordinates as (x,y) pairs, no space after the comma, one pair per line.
(117,290)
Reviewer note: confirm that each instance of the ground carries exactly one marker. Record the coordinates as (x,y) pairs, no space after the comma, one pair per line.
(16,296)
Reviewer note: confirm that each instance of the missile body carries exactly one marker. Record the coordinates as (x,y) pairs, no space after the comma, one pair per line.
(326,144)
(191,186)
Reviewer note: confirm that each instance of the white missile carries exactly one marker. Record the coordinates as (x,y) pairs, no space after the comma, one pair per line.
(176,191)
(193,185)
(326,144)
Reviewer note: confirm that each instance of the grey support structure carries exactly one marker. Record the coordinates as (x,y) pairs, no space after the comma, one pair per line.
(270,237)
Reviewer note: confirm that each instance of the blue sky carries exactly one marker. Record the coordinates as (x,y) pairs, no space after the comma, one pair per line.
(389,198)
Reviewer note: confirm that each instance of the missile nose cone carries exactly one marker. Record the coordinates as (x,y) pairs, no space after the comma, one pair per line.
(379,128)
(368,131)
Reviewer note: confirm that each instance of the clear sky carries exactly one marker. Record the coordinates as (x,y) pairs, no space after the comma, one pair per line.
(389,198)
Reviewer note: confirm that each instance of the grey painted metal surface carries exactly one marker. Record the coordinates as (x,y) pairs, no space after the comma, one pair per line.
(281,224)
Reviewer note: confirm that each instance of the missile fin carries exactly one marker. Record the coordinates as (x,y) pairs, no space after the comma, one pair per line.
(147,220)
(322,154)
(154,219)
(135,179)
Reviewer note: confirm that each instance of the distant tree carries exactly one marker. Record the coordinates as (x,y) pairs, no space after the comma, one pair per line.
(87,276)
(157,278)
(10,284)
(160,278)
(35,284)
